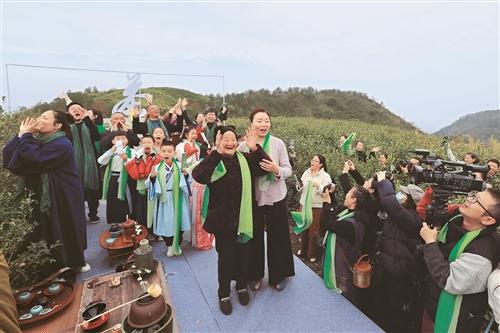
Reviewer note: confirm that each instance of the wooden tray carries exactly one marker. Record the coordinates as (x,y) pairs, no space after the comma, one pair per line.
(57,302)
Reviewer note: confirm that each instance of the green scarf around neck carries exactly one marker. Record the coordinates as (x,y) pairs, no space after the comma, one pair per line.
(84,157)
(210,133)
(448,308)
(122,179)
(304,218)
(245,225)
(329,275)
(45,184)
(149,124)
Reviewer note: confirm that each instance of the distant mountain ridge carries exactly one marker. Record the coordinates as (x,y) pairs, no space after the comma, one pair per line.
(295,102)
(481,125)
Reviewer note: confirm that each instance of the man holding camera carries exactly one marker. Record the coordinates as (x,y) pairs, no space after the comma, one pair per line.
(459,257)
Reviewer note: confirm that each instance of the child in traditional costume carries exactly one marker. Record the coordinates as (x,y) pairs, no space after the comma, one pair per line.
(159,135)
(188,153)
(167,187)
(228,175)
(139,169)
(116,180)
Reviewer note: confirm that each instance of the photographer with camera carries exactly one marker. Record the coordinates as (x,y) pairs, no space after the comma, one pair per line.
(398,268)
(459,256)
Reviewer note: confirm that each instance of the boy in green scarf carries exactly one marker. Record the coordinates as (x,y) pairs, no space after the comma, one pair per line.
(169,212)
(116,190)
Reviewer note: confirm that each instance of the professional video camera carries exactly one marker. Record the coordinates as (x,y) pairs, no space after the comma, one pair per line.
(447,178)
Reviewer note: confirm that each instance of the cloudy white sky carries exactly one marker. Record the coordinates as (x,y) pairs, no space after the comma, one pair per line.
(429,62)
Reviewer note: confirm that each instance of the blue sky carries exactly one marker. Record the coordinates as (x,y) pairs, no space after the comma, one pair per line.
(427,62)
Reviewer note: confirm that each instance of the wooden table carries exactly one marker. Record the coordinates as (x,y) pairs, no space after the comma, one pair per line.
(128,290)
(122,246)
(66,320)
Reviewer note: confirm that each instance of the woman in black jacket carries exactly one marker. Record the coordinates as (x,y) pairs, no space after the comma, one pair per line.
(224,172)
(349,226)
(398,256)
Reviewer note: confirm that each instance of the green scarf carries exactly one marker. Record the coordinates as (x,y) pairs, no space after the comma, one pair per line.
(346,146)
(245,225)
(149,124)
(210,133)
(329,276)
(177,196)
(45,195)
(100,129)
(141,186)
(265,181)
(122,180)
(85,158)
(219,171)
(304,218)
(448,308)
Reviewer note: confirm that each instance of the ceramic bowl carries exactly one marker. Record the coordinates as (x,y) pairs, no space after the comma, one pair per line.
(45,311)
(147,311)
(35,311)
(54,288)
(24,296)
(26,316)
(110,241)
(92,310)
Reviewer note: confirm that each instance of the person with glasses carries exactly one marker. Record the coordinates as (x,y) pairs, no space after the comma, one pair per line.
(459,257)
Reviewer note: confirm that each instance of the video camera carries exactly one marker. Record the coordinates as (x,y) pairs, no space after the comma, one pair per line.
(447,178)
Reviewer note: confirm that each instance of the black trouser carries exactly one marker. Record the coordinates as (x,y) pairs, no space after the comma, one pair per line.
(116,210)
(232,263)
(279,247)
(141,209)
(92,198)
(399,308)
(170,240)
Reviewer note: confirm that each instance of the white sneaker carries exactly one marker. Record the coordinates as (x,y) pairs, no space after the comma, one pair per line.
(85,268)
(180,252)
(159,239)
(170,251)
(312,260)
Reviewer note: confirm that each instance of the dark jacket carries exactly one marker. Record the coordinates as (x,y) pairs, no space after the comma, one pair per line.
(348,246)
(142,128)
(370,218)
(400,234)
(107,138)
(225,193)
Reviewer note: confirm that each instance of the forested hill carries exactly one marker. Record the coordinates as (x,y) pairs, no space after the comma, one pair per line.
(481,125)
(303,102)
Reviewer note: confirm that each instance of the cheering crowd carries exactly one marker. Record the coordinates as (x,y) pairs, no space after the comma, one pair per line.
(202,181)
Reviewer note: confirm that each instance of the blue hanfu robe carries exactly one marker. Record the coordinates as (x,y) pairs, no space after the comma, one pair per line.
(65,219)
(163,220)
